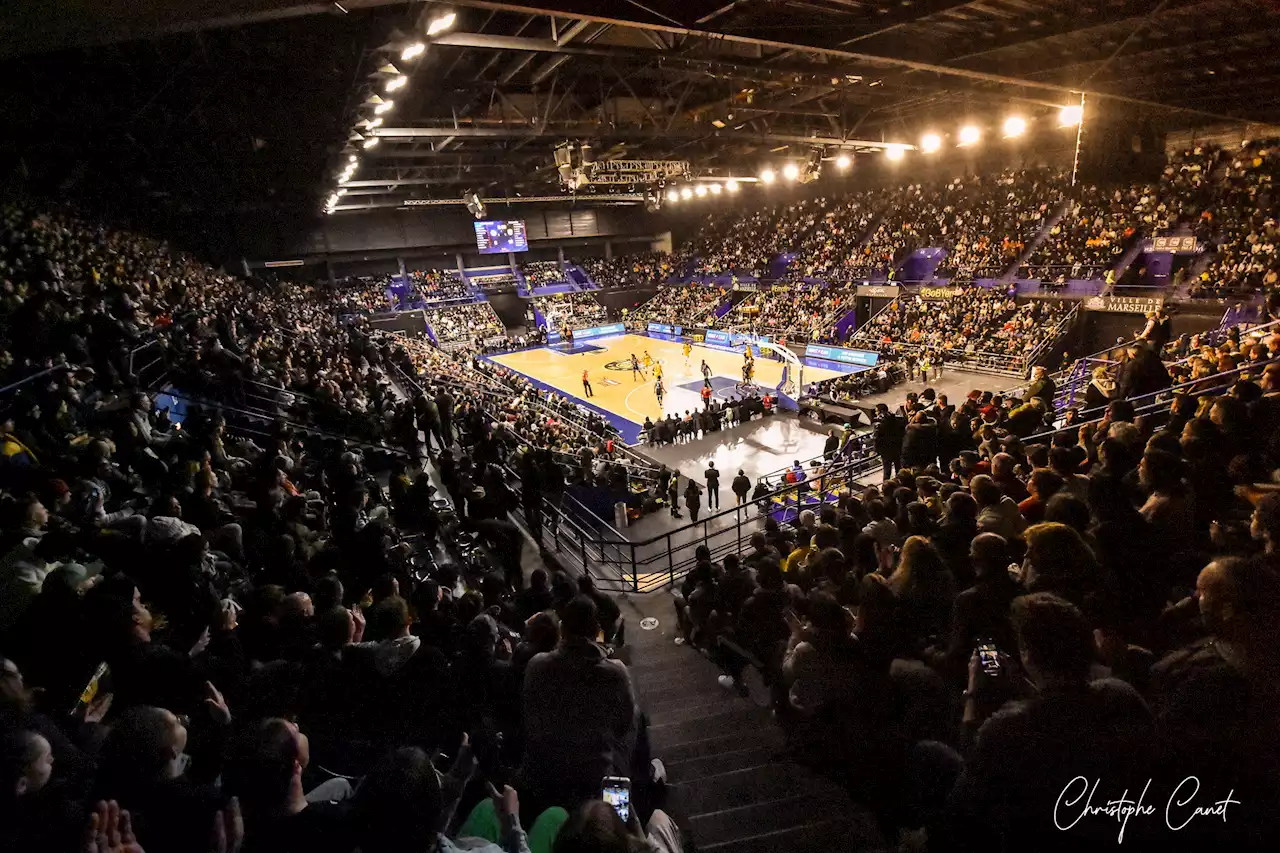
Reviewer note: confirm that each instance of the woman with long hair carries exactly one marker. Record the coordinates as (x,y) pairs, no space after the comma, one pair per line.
(924,587)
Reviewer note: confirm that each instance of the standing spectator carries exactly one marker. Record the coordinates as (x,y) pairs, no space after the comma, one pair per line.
(890,430)
(586,383)
(693,499)
(741,486)
(713,486)
(673,494)
(579,712)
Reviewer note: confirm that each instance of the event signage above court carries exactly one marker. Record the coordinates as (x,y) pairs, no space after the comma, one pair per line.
(1124,304)
(664,329)
(863,358)
(889,290)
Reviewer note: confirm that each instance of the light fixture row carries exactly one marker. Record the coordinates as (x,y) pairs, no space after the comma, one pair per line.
(393,80)
(702,190)
(931,142)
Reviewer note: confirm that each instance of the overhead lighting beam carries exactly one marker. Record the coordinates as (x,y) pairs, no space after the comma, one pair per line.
(774,45)
(405,134)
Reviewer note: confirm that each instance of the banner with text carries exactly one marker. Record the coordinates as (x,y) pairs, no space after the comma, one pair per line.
(664,329)
(1124,304)
(860,357)
(599,331)
(940,292)
(884,290)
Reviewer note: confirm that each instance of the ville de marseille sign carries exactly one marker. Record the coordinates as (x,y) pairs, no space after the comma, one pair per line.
(1124,304)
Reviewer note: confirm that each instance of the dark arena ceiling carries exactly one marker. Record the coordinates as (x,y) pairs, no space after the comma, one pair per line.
(246,108)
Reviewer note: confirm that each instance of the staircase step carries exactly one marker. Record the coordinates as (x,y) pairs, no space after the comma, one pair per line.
(687,698)
(766,816)
(840,835)
(744,787)
(723,762)
(683,678)
(713,743)
(740,718)
(710,706)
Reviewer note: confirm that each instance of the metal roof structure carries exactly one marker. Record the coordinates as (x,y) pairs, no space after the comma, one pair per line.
(257,105)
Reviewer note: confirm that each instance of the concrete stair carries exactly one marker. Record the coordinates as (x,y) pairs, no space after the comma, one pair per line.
(732,783)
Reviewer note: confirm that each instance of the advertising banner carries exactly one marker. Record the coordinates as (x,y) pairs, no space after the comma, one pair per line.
(1124,304)
(862,358)
(717,337)
(884,290)
(664,329)
(598,331)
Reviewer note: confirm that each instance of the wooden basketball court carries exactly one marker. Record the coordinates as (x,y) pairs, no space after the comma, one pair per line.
(617,392)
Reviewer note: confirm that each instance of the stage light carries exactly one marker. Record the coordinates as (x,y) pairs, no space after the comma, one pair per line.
(791,171)
(686,193)
(384,107)
(895,152)
(1070,115)
(374,122)
(1014,126)
(930,143)
(843,161)
(371,142)
(353,160)
(700,190)
(715,189)
(396,83)
(673,195)
(441,23)
(413,51)
(768,176)
(969,135)
(731,186)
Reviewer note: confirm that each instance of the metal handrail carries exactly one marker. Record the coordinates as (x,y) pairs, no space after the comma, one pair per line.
(1188,387)
(271,417)
(57,368)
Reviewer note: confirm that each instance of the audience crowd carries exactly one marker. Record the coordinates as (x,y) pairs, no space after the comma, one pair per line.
(575,310)
(473,322)
(439,285)
(795,310)
(542,273)
(1016,615)
(966,320)
(680,305)
(631,270)
(208,630)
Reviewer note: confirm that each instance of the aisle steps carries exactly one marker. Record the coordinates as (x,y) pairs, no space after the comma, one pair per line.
(731,780)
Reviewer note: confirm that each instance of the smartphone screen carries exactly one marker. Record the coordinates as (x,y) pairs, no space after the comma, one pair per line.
(989,658)
(616,791)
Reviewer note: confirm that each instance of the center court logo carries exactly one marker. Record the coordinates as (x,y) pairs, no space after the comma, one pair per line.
(622,364)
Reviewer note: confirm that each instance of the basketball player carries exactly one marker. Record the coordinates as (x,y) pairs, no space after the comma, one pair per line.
(658,390)
(657,370)
(648,360)
(706,373)
(688,348)
(586,383)
(635,368)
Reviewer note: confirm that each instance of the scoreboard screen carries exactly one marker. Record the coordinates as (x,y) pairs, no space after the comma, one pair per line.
(497,237)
